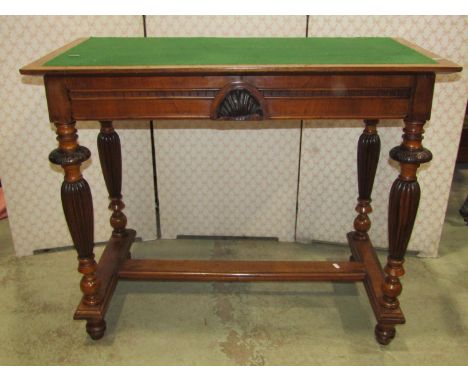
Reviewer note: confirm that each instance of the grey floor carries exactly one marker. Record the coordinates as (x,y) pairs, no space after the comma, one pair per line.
(172,323)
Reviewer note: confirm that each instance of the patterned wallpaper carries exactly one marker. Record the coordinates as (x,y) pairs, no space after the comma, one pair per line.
(32,185)
(238,178)
(232,179)
(328,185)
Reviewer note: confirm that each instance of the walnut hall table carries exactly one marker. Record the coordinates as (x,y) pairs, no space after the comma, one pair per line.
(108,79)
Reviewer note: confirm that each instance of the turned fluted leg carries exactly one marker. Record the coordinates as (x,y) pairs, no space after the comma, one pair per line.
(108,143)
(78,209)
(403,206)
(367,160)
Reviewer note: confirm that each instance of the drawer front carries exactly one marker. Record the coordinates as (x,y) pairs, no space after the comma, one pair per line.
(247,97)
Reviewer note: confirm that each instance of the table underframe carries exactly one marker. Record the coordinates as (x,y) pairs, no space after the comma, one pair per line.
(365,96)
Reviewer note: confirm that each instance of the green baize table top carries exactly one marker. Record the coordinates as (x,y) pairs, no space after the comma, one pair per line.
(184,51)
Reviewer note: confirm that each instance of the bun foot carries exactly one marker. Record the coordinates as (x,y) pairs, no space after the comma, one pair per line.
(96,328)
(384,333)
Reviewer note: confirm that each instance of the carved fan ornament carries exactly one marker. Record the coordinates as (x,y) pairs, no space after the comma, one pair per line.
(238,102)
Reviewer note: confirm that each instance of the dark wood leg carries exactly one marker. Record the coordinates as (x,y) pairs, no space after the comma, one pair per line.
(78,209)
(464,210)
(384,333)
(403,206)
(110,156)
(96,328)
(118,247)
(367,160)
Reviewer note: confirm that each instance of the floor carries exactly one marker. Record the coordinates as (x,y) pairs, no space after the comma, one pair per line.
(237,323)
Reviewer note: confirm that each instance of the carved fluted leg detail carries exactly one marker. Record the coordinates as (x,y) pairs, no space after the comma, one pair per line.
(111,163)
(403,206)
(78,210)
(78,207)
(367,161)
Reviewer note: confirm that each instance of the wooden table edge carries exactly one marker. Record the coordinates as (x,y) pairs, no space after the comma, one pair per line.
(37,67)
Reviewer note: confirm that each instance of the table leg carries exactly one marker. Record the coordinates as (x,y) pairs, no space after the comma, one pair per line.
(110,156)
(403,205)
(367,160)
(78,209)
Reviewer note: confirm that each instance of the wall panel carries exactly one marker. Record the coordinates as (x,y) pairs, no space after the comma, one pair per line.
(328,184)
(218,182)
(32,185)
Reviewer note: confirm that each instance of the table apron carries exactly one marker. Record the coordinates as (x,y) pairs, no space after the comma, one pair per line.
(281,108)
(231,97)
